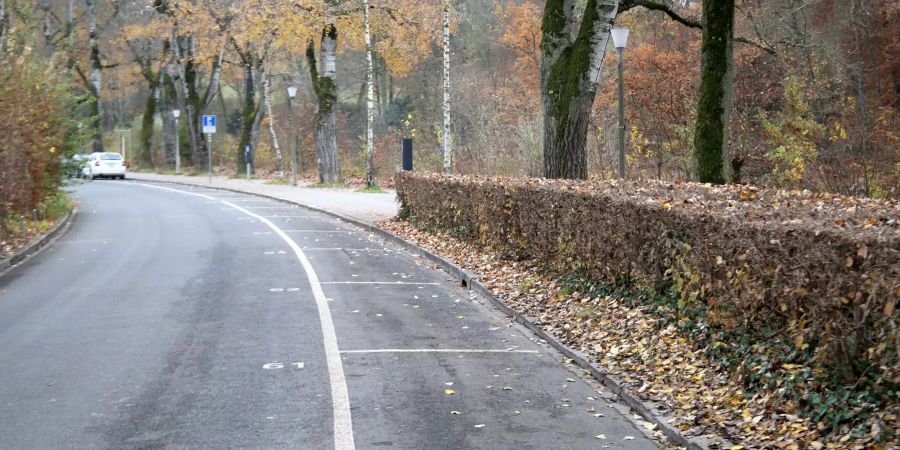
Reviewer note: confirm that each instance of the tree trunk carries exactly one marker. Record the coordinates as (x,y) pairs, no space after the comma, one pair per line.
(267,102)
(145,156)
(170,102)
(189,94)
(370,102)
(248,116)
(96,79)
(4,26)
(570,75)
(714,105)
(324,132)
(446,136)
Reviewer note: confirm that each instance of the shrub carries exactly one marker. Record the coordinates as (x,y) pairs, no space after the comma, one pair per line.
(34,132)
(779,277)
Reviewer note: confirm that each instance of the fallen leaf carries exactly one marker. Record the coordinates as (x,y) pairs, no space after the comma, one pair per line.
(449,391)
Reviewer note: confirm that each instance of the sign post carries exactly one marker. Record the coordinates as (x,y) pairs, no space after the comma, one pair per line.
(209,127)
(248,157)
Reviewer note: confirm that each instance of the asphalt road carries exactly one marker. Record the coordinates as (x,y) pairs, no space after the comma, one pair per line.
(193,318)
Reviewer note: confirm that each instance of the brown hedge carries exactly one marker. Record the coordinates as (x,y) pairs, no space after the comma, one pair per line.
(821,270)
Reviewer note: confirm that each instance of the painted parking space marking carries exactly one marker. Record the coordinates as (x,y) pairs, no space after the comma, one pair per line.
(437,350)
(381,282)
(316,231)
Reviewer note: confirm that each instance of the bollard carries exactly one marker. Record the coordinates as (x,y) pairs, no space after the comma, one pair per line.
(22,224)
(45,214)
(407,146)
(34,216)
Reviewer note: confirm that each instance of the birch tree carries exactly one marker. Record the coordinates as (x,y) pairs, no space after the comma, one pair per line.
(446,137)
(4,25)
(370,101)
(570,75)
(267,104)
(325,88)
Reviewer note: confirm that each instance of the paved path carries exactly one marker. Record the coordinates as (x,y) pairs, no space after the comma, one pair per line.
(179,317)
(358,205)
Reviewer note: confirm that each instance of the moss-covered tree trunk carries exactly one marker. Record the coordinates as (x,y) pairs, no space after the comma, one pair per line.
(570,75)
(248,113)
(145,154)
(324,132)
(714,105)
(169,102)
(95,77)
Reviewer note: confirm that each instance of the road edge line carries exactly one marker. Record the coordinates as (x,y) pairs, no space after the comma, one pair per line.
(340,397)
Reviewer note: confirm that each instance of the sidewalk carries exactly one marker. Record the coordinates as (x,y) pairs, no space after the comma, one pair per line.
(361,206)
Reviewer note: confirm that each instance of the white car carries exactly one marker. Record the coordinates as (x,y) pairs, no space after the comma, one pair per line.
(110,165)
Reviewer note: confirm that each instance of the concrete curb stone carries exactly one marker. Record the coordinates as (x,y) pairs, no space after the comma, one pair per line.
(39,243)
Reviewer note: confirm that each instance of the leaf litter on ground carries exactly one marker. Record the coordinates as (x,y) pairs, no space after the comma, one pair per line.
(647,354)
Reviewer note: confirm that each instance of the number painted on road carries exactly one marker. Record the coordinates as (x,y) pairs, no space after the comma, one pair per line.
(278,365)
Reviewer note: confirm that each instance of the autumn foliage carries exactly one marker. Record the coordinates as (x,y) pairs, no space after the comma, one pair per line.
(781,279)
(33,132)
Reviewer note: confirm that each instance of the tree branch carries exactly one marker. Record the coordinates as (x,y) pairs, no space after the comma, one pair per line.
(625,5)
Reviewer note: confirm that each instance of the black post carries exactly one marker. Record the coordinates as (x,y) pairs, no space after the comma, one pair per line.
(407,145)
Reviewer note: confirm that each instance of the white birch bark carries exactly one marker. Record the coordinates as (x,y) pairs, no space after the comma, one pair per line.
(370,100)
(3,25)
(447,141)
(267,104)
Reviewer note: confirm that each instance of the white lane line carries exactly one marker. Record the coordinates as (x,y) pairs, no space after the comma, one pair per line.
(340,398)
(437,350)
(272,207)
(378,282)
(285,217)
(176,190)
(315,231)
(337,249)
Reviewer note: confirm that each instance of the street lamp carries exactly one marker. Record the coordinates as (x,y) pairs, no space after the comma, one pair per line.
(292,92)
(620,41)
(176,113)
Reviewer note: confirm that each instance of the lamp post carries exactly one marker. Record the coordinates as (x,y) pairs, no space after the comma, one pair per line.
(292,92)
(176,113)
(620,41)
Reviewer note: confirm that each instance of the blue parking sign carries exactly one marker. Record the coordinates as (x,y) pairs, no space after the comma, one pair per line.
(209,124)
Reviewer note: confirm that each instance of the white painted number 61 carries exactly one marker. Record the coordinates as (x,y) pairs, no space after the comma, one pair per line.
(276,365)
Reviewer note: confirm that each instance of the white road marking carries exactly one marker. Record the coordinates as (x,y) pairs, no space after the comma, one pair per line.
(315,231)
(377,282)
(176,190)
(272,366)
(437,350)
(272,207)
(282,217)
(340,397)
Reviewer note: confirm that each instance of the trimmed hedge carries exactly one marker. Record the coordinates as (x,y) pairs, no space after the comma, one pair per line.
(817,272)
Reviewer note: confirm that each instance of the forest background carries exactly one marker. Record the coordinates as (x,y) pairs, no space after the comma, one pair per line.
(815,88)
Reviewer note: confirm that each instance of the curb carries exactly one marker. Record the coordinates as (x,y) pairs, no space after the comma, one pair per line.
(38,243)
(469,281)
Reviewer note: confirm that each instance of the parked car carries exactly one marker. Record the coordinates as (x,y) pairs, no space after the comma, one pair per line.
(106,165)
